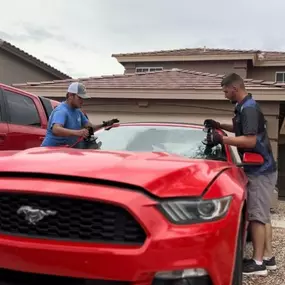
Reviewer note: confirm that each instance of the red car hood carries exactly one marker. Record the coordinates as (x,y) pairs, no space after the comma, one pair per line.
(162,174)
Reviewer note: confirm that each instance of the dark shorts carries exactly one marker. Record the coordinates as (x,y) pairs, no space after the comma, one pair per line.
(260,191)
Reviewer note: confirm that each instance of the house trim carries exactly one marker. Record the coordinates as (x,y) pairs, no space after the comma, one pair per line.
(162,58)
(270,63)
(201,57)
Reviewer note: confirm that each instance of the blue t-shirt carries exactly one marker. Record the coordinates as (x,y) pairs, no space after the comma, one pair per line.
(249,120)
(70,118)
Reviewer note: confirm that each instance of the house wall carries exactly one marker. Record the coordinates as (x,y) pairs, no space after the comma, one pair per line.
(220,67)
(15,70)
(242,67)
(264,73)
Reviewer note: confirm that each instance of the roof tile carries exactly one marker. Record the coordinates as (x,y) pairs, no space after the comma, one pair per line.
(188,51)
(167,79)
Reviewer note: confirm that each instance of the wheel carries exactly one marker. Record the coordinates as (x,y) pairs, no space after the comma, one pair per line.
(238,276)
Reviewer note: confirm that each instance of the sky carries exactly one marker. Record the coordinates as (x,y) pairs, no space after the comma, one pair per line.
(79,37)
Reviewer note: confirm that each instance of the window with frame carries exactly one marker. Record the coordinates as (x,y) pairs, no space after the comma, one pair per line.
(22,110)
(148,69)
(280,77)
(182,141)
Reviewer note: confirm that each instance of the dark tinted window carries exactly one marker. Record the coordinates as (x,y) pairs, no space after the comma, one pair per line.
(183,141)
(47,105)
(22,110)
(280,77)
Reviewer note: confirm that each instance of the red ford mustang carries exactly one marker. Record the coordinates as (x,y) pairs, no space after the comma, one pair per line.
(152,206)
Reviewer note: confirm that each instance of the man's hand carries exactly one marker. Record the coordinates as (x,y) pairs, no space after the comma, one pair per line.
(209,123)
(103,125)
(110,122)
(214,138)
(82,133)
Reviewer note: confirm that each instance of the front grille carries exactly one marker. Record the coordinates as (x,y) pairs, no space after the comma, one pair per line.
(9,277)
(75,219)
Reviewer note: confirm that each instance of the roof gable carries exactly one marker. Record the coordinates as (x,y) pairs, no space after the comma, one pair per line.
(4,45)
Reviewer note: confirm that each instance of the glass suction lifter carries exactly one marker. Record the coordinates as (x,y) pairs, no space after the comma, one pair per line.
(207,130)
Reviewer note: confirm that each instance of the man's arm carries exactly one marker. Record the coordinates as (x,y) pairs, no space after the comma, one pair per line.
(57,126)
(86,123)
(249,122)
(60,131)
(241,141)
(95,127)
(227,127)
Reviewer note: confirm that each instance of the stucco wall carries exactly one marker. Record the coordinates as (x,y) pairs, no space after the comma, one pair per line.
(15,70)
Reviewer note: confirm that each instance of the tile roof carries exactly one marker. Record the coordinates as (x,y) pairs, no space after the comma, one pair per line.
(188,51)
(262,55)
(166,79)
(4,45)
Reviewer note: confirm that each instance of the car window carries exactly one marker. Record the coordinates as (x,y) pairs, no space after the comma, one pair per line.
(183,141)
(22,110)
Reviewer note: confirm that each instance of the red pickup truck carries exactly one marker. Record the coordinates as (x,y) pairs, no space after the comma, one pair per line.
(23,118)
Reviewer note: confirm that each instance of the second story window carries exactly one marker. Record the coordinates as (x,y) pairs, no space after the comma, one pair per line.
(280,77)
(148,69)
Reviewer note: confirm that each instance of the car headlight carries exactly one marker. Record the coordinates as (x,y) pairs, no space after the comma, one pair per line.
(195,211)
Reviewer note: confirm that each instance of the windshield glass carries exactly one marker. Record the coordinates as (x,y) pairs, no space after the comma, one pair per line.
(183,141)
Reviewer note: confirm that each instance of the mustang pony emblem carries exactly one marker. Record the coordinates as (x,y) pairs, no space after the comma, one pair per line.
(34,215)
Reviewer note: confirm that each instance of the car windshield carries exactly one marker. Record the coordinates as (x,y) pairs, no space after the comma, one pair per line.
(183,141)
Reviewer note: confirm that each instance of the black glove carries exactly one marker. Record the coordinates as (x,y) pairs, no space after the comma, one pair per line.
(209,123)
(110,122)
(91,131)
(214,138)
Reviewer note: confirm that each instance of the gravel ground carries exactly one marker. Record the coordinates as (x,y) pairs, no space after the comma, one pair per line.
(279,212)
(274,277)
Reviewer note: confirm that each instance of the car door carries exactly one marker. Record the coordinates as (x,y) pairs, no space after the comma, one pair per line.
(3,124)
(24,121)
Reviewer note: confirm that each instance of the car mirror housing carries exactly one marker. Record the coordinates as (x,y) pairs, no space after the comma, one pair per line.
(250,158)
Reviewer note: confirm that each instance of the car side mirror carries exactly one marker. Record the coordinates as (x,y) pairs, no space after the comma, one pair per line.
(250,158)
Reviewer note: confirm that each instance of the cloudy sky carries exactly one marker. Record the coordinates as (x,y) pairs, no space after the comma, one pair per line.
(79,37)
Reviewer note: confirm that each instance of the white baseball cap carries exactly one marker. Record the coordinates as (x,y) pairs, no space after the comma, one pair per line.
(79,89)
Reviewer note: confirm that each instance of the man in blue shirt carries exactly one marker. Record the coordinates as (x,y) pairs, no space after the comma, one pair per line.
(67,123)
(249,126)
